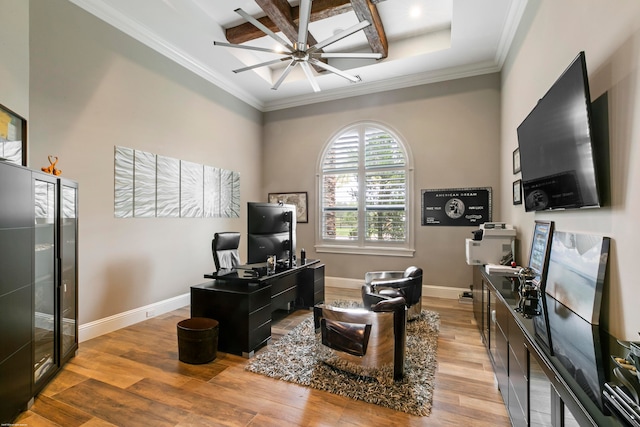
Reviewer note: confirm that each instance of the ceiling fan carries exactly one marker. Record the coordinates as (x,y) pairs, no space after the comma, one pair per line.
(299,52)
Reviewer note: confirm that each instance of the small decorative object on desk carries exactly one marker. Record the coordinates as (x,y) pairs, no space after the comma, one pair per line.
(271,264)
(303,257)
(53,160)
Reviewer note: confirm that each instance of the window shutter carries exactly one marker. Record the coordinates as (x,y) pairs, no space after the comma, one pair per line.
(372,161)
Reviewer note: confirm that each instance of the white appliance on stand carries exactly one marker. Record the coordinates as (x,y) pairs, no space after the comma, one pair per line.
(493,243)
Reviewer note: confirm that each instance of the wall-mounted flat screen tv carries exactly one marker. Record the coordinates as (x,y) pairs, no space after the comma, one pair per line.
(556,148)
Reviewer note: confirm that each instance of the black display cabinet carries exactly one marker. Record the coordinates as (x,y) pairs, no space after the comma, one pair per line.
(38,282)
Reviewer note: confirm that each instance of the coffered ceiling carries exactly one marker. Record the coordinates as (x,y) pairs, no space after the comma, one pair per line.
(421,41)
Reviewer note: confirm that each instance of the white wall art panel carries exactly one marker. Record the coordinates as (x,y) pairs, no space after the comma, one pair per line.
(229,202)
(123,194)
(168,191)
(191,189)
(144,184)
(149,185)
(235,198)
(211,192)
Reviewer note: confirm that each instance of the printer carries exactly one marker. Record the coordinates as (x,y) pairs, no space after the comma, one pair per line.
(493,243)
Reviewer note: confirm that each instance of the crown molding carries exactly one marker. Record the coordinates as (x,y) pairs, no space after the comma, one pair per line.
(384,85)
(514,15)
(141,33)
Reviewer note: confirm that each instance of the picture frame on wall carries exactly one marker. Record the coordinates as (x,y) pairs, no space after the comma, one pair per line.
(13,137)
(517,192)
(516,161)
(298,199)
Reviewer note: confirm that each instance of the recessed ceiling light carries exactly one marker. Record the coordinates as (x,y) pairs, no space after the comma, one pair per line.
(415,12)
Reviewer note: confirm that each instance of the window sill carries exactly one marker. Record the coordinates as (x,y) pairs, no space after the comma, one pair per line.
(357,250)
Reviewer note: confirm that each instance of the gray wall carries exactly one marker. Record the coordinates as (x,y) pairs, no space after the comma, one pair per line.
(14,51)
(89,88)
(92,88)
(453,130)
(552,35)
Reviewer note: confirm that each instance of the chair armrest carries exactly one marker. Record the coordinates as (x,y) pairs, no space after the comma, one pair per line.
(393,304)
(392,283)
(370,276)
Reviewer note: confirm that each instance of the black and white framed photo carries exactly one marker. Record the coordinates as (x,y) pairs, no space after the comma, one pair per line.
(517,192)
(456,206)
(516,161)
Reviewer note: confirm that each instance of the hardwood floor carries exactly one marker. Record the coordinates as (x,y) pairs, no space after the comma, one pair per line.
(132,377)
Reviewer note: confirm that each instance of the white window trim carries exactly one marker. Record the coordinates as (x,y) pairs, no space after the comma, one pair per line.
(406,249)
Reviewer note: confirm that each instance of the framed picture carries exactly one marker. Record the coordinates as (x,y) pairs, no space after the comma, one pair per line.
(539,253)
(456,206)
(576,272)
(13,137)
(299,199)
(516,161)
(517,192)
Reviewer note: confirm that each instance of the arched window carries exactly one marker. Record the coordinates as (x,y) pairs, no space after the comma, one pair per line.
(364,193)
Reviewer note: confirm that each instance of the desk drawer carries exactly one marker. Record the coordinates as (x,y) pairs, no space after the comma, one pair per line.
(259,317)
(281,300)
(259,299)
(282,284)
(259,336)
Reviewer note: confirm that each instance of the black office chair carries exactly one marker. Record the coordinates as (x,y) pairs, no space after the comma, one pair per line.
(381,285)
(225,250)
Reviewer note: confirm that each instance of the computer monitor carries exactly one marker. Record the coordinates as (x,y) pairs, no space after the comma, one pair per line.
(271,230)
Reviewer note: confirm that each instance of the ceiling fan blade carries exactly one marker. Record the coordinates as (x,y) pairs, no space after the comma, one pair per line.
(339,36)
(303,23)
(334,70)
(348,55)
(307,70)
(258,49)
(264,29)
(284,74)
(262,64)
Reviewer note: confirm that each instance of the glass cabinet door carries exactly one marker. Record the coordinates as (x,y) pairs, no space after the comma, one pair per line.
(68,274)
(45,361)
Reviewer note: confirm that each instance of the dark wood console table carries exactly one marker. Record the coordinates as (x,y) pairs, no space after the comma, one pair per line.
(243,303)
(542,384)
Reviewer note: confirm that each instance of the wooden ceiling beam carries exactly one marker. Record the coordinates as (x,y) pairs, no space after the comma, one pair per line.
(320,9)
(366,10)
(281,14)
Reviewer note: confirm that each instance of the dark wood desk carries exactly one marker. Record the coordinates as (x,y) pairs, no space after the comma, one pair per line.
(243,303)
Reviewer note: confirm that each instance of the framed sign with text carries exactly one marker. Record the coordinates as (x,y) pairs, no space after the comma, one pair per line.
(456,206)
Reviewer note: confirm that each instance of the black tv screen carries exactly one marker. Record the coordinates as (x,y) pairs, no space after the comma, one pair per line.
(556,148)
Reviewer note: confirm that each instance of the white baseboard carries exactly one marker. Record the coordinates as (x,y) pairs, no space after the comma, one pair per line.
(427,290)
(121,320)
(112,323)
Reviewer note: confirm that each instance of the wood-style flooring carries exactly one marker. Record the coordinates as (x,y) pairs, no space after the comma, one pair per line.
(132,377)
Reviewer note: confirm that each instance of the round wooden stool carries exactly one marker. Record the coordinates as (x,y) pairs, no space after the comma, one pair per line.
(197,340)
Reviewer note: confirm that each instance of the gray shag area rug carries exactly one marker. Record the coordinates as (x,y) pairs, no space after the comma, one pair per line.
(292,358)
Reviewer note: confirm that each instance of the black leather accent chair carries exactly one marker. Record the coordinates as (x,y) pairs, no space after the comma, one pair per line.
(381,285)
(364,341)
(225,250)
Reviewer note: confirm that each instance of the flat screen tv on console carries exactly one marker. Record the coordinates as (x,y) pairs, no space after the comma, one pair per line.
(271,230)
(556,147)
